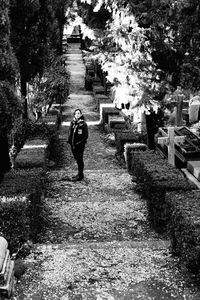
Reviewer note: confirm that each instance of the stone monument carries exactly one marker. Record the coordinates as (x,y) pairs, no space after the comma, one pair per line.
(6,270)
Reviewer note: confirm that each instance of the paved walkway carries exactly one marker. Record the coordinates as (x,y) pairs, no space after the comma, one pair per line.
(99,245)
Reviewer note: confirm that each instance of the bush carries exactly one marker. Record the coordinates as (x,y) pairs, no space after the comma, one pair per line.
(127,136)
(21,206)
(27,129)
(184,226)
(129,150)
(32,158)
(108,111)
(157,177)
(42,132)
(15,220)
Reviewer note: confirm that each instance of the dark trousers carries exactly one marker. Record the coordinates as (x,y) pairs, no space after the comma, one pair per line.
(78,156)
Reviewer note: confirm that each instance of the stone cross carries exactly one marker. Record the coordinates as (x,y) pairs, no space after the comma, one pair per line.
(170,141)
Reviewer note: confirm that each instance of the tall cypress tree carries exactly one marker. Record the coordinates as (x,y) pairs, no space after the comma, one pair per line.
(8,99)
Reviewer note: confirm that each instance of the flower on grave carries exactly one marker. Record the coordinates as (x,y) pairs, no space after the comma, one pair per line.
(13,151)
(12,155)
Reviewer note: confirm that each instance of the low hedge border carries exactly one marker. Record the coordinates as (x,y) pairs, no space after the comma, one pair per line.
(156,177)
(35,156)
(126,136)
(184,226)
(21,206)
(108,111)
(129,149)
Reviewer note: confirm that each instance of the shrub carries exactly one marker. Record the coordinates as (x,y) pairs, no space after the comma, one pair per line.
(106,111)
(184,226)
(127,136)
(129,150)
(15,220)
(21,206)
(157,177)
(27,129)
(33,157)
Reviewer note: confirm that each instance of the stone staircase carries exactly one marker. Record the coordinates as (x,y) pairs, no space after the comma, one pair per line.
(99,244)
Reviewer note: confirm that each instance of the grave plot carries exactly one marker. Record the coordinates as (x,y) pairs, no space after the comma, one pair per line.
(33,154)
(101,99)
(182,150)
(108,111)
(185,149)
(98,89)
(116,123)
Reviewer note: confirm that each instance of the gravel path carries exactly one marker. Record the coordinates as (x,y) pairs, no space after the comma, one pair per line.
(99,245)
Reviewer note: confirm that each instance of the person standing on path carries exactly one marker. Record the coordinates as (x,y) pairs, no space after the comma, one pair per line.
(77,138)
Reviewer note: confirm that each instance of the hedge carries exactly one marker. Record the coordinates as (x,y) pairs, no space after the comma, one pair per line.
(156,177)
(21,206)
(33,157)
(127,136)
(129,149)
(184,226)
(108,111)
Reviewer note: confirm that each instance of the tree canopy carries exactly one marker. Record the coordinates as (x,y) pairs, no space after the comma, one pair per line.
(151,46)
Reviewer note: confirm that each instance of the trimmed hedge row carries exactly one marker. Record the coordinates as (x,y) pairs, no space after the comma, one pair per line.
(130,149)
(126,136)
(157,177)
(21,206)
(184,227)
(108,111)
(32,157)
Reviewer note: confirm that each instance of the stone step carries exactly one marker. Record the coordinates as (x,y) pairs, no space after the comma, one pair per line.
(193,167)
(154,244)
(191,177)
(112,270)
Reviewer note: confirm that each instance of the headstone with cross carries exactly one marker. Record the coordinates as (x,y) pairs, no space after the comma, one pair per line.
(170,141)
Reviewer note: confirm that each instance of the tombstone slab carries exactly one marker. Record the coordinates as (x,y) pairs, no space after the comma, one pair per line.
(194,168)
(6,270)
(3,250)
(116,122)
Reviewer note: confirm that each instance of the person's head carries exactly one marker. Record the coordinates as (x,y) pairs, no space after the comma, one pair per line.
(78,114)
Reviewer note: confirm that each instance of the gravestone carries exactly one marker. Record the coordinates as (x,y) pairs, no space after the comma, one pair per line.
(6,270)
(194,109)
(116,123)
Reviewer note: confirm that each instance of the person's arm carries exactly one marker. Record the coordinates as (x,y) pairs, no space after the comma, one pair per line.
(69,140)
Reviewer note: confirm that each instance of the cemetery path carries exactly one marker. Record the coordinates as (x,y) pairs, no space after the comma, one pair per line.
(99,244)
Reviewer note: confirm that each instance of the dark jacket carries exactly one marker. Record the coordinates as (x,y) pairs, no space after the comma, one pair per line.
(78,132)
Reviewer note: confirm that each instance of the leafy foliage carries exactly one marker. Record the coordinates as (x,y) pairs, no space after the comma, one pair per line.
(53,86)
(165,48)
(8,63)
(9,105)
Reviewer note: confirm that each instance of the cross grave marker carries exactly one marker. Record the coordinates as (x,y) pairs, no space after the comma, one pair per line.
(170,141)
